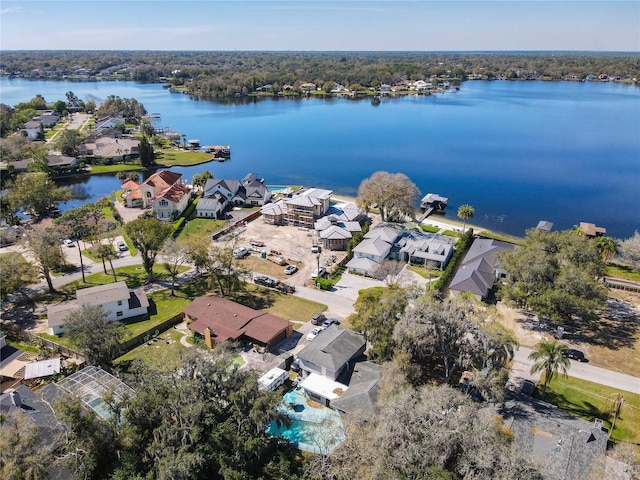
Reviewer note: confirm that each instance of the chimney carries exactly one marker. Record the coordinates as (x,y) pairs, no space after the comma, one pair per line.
(207,338)
(15,399)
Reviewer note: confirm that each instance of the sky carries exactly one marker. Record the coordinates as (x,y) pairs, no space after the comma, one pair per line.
(309,25)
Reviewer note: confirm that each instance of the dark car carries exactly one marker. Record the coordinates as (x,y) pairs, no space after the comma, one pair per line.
(264,280)
(330,321)
(527,387)
(318,318)
(574,354)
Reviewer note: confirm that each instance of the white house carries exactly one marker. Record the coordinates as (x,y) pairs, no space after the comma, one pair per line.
(171,202)
(116,299)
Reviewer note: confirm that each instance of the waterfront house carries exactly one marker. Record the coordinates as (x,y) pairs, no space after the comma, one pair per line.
(544,225)
(169,204)
(479,269)
(221,194)
(34,130)
(301,209)
(338,226)
(158,183)
(307,86)
(219,320)
(110,123)
(116,299)
(108,147)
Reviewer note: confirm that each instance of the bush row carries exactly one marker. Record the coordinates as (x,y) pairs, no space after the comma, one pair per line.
(461,248)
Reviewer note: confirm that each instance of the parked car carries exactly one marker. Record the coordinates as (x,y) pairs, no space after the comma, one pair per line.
(318,319)
(264,280)
(314,333)
(321,272)
(68,242)
(290,269)
(527,387)
(315,248)
(240,252)
(330,321)
(574,354)
(121,246)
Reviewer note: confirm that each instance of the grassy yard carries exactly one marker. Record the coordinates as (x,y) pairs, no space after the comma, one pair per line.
(282,305)
(169,157)
(201,226)
(451,233)
(163,352)
(162,307)
(429,228)
(120,167)
(427,274)
(590,400)
(622,271)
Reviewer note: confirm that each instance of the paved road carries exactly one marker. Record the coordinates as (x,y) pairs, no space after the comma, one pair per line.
(584,371)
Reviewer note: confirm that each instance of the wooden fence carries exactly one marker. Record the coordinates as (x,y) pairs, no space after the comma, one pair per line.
(146,335)
(54,347)
(249,218)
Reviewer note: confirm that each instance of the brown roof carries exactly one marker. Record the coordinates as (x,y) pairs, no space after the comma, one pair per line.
(162,179)
(130,185)
(174,193)
(230,320)
(591,230)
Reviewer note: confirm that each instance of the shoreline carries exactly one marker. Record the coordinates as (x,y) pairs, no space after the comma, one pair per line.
(446,223)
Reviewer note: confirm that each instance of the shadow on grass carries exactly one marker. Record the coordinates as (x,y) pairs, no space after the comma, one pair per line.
(583,409)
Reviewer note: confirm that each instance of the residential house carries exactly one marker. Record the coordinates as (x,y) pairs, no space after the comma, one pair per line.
(362,395)
(338,226)
(131,193)
(108,123)
(565,447)
(385,88)
(392,241)
(116,299)
(34,130)
(48,120)
(169,204)
(220,194)
(479,269)
(219,320)
(156,184)
(108,147)
(326,363)
(62,163)
(307,86)
(300,209)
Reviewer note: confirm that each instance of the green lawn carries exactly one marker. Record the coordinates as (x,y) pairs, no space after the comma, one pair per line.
(161,307)
(201,226)
(425,272)
(169,157)
(590,400)
(451,233)
(120,167)
(163,352)
(622,271)
(429,229)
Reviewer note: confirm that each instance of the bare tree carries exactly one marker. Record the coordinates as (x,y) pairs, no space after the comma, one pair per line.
(175,256)
(392,193)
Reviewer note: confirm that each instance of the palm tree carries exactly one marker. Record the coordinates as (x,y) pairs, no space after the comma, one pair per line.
(607,247)
(548,358)
(465,212)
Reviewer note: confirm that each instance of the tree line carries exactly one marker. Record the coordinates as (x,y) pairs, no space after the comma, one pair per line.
(227,74)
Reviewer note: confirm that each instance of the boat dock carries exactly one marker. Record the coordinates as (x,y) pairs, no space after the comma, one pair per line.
(432,202)
(219,151)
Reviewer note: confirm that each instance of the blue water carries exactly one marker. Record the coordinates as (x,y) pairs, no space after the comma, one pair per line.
(312,429)
(519,152)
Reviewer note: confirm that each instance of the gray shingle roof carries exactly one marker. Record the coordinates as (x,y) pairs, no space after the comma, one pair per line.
(333,348)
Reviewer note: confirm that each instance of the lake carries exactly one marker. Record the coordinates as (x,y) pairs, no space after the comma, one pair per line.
(519,152)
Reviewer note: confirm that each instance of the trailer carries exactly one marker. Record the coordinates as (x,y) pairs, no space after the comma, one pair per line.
(273,379)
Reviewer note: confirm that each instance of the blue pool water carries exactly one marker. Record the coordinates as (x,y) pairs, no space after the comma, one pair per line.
(312,429)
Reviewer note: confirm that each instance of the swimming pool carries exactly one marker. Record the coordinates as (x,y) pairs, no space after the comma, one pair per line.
(313,428)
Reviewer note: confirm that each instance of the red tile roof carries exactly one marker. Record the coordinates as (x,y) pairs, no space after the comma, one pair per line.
(130,185)
(174,193)
(162,179)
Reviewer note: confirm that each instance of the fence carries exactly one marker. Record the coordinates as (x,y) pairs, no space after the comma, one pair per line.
(54,347)
(144,336)
(249,218)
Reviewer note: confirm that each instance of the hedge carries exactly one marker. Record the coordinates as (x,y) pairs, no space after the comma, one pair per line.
(462,246)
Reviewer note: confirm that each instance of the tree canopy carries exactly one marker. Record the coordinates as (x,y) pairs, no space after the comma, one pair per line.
(392,193)
(554,274)
(22,193)
(148,236)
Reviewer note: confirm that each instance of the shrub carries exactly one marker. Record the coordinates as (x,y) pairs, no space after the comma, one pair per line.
(461,248)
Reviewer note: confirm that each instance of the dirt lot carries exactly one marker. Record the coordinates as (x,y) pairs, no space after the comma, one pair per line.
(612,341)
(292,244)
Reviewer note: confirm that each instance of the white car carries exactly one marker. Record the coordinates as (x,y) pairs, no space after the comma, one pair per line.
(290,269)
(314,333)
(240,252)
(68,242)
(319,272)
(121,246)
